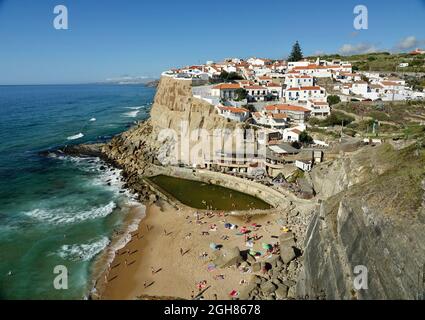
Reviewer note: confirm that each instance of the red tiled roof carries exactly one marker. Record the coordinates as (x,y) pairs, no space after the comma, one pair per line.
(285,107)
(227,86)
(279,115)
(233,109)
(255,87)
(272,84)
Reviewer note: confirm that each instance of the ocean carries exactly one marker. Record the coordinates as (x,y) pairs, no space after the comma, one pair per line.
(59,210)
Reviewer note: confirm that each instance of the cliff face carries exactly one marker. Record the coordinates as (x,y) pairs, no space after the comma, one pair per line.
(156,140)
(373,216)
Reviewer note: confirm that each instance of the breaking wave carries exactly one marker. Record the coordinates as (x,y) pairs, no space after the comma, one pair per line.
(131,114)
(63,216)
(84,251)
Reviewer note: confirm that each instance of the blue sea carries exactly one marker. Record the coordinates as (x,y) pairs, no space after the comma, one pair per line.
(59,210)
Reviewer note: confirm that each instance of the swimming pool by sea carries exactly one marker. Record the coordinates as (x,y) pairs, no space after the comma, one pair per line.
(59,210)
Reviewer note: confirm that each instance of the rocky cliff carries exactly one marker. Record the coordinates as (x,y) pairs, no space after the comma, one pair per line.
(372,215)
(175,115)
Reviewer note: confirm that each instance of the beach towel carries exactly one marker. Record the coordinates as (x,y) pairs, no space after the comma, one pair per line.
(234,293)
(211,267)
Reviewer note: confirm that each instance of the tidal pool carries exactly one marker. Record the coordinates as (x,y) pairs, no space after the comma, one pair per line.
(202,195)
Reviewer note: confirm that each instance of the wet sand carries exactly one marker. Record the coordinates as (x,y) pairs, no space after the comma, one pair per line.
(164,257)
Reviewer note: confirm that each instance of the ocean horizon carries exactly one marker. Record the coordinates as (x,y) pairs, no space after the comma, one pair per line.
(58,210)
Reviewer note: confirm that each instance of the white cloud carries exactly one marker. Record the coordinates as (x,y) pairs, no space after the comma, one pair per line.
(408,43)
(319,53)
(349,49)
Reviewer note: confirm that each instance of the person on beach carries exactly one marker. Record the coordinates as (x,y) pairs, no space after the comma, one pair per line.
(152,270)
(181,251)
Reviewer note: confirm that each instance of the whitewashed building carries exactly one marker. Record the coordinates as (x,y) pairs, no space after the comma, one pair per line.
(304,93)
(233,113)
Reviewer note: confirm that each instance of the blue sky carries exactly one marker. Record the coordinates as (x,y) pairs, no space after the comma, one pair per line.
(109,38)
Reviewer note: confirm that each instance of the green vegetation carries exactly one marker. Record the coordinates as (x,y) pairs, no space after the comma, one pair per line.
(296,53)
(400,190)
(305,138)
(335,119)
(241,94)
(298,174)
(398,113)
(333,99)
(382,61)
(226,76)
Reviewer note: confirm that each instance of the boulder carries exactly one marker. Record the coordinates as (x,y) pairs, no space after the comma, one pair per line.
(268,287)
(228,258)
(292,293)
(273,261)
(287,239)
(287,254)
(250,259)
(256,267)
(281,292)
(245,292)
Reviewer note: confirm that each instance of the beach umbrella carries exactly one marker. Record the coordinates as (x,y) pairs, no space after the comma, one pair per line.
(213,246)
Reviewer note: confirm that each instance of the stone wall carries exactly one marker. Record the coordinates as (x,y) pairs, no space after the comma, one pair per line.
(258,190)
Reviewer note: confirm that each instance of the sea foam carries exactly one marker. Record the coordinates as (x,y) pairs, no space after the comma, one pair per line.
(75,137)
(131,114)
(83,251)
(68,216)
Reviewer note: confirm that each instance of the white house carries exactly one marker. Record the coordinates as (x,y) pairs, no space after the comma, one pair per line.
(315,71)
(233,113)
(275,89)
(303,165)
(345,77)
(256,92)
(319,109)
(225,91)
(292,134)
(298,80)
(360,87)
(294,64)
(263,80)
(272,120)
(304,93)
(296,114)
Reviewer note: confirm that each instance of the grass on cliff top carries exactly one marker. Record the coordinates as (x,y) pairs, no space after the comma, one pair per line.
(400,112)
(383,61)
(398,190)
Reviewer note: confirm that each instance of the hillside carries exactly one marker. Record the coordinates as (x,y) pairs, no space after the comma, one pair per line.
(373,215)
(381,61)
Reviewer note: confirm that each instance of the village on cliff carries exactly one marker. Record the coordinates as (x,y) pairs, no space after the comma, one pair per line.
(279,98)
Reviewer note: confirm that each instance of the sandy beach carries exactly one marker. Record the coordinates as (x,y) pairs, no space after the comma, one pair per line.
(170,252)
